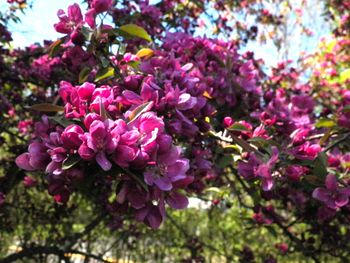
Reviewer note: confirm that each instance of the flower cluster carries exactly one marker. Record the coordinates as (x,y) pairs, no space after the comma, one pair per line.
(136,145)
(146,128)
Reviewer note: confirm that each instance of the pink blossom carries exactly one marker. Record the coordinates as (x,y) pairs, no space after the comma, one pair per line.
(36,158)
(29,181)
(283,247)
(257,168)
(71,137)
(90,17)
(294,172)
(168,168)
(67,24)
(25,126)
(98,142)
(151,215)
(306,151)
(101,6)
(333,196)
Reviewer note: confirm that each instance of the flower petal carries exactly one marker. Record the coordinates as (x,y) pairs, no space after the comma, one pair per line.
(102,160)
(331,182)
(163,183)
(177,200)
(22,161)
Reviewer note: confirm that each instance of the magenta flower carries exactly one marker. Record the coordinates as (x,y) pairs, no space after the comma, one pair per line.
(57,153)
(303,104)
(101,6)
(147,93)
(25,126)
(140,200)
(227,122)
(344,120)
(257,168)
(29,181)
(127,149)
(325,213)
(71,137)
(68,24)
(333,196)
(75,106)
(299,135)
(125,154)
(151,215)
(176,200)
(129,57)
(59,190)
(149,127)
(186,101)
(86,90)
(97,7)
(90,17)
(41,128)
(168,169)
(306,151)
(98,142)
(294,172)
(105,95)
(90,118)
(36,158)
(248,77)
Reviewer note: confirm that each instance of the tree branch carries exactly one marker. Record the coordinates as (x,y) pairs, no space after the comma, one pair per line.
(29,252)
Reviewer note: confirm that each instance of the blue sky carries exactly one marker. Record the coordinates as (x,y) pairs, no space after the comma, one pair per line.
(37,25)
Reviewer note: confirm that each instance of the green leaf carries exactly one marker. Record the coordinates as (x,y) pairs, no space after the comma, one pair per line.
(103,111)
(237,127)
(60,120)
(325,123)
(346,108)
(345,75)
(54,47)
(134,64)
(144,52)
(70,161)
(139,110)
(47,107)
(84,74)
(86,32)
(246,146)
(322,156)
(233,147)
(261,142)
(112,198)
(325,137)
(314,180)
(213,189)
(104,73)
(104,62)
(136,31)
(225,161)
(272,230)
(320,165)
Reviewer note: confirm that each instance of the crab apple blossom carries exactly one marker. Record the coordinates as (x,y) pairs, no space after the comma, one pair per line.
(256,168)
(29,181)
(142,115)
(101,6)
(333,196)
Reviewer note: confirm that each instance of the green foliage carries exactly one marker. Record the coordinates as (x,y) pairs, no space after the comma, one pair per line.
(135,31)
